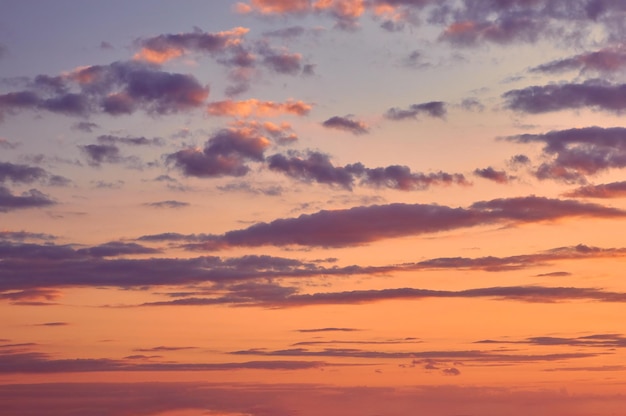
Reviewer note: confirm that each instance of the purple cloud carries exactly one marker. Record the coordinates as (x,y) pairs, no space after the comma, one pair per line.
(578,152)
(346,124)
(317,167)
(593,94)
(119,88)
(224,154)
(28,199)
(609,190)
(498,176)
(432,109)
(607,60)
(365,224)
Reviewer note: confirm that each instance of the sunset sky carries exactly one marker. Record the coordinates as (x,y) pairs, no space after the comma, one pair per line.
(313,207)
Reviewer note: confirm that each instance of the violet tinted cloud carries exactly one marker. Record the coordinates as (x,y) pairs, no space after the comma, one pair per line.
(346,124)
(225,153)
(365,224)
(432,109)
(120,88)
(575,153)
(28,199)
(591,94)
(302,173)
(317,167)
(607,61)
(608,190)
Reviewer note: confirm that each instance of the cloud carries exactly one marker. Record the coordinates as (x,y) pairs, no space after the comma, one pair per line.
(224,154)
(507,29)
(35,362)
(167,204)
(163,48)
(109,139)
(496,264)
(21,173)
(32,268)
(346,124)
(257,108)
(588,341)
(100,153)
(251,189)
(594,94)
(290,298)
(119,88)
(28,199)
(281,61)
(577,152)
(344,12)
(307,399)
(608,60)
(498,176)
(466,356)
(609,190)
(286,33)
(25,235)
(116,248)
(366,224)
(432,109)
(317,167)
(328,329)
(85,126)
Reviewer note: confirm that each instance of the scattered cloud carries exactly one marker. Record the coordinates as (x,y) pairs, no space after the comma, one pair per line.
(595,94)
(575,153)
(317,167)
(608,190)
(346,124)
(433,109)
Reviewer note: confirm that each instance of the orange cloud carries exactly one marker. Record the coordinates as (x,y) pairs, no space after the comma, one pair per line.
(164,48)
(254,107)
(342,8)
(273,6)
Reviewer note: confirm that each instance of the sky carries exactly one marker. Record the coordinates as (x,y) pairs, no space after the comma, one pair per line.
(305,207)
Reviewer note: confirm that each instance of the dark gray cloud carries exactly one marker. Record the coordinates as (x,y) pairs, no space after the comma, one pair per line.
(555,97)
(432,109)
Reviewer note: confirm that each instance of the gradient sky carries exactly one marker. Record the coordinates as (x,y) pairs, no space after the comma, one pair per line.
(313,207)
